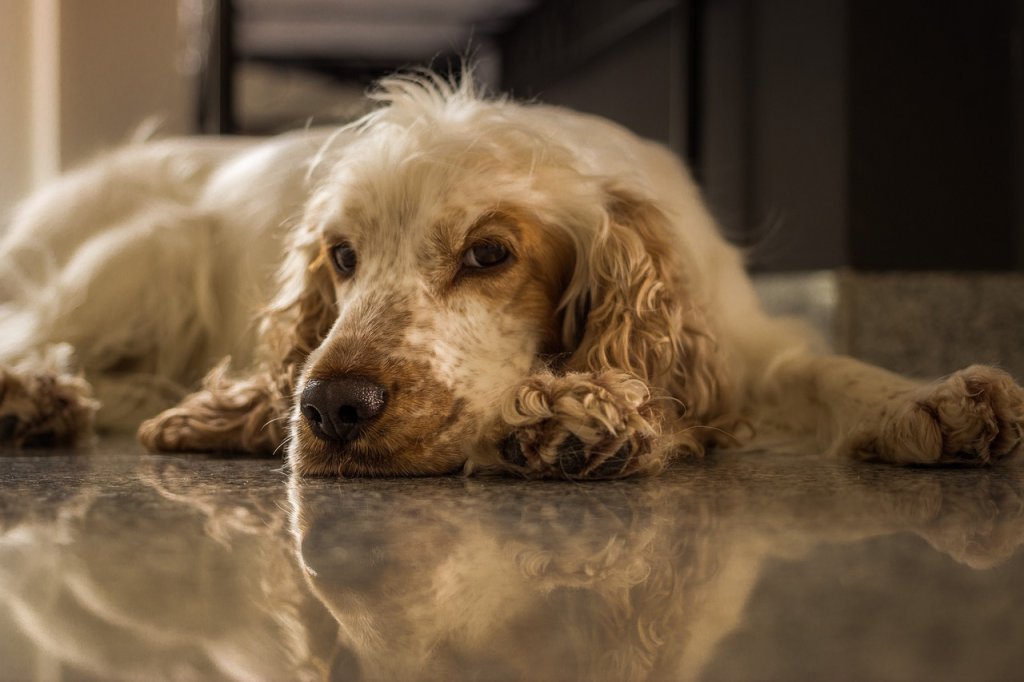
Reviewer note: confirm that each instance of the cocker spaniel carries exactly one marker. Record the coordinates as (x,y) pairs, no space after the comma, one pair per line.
(462,283)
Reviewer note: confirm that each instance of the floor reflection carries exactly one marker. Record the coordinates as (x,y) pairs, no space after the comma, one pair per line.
(120,566)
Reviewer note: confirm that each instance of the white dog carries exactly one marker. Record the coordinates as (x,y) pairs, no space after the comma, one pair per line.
(461,283)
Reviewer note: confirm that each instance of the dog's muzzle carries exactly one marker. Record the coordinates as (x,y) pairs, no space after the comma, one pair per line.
(338,408)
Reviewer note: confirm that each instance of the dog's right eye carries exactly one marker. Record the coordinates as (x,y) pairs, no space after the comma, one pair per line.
(485,255)
(344,258)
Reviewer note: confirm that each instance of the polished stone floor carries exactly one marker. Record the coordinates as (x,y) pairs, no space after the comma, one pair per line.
(121,565)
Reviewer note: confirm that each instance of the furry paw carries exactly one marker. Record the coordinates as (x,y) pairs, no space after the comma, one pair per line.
(227,415)
(44,409)
(975,416)
(580,426)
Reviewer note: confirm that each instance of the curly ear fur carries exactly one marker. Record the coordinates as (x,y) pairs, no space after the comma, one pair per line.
(642,317)
(249,414)
(298,319)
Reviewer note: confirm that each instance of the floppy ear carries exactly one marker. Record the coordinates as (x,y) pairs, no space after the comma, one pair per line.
(631,308)
(297,321)
(249,413)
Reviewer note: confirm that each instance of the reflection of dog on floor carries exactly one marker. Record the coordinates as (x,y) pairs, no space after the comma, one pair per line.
(636,580)
(170,578)
(462,283)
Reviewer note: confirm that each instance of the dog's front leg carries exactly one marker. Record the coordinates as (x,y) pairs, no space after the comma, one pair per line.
(588,425)
(974,416)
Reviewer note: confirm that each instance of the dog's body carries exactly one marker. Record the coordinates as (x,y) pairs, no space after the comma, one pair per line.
(152,264)
(460,283)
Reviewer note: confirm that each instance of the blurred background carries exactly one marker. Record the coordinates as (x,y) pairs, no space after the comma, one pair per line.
(872,149)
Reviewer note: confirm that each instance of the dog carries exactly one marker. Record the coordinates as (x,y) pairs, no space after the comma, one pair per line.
(453,282)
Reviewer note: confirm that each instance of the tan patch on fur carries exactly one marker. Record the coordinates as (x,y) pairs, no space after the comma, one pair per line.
(419,408)
(550,267)
(532,288)
(409,439)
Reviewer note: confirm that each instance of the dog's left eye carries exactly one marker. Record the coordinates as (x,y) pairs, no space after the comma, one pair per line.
(485,255)
(344,257)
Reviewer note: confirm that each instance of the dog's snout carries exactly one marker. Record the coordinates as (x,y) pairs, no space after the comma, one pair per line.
(335,409)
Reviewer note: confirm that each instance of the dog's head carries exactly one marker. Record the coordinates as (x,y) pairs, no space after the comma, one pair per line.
(451,246)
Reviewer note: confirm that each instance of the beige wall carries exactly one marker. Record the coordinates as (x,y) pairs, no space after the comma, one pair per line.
(77,76)
(118,66)
(15,164)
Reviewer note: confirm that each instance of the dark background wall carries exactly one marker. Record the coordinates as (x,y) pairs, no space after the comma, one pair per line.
(633,62)
(932,124)
(865,133)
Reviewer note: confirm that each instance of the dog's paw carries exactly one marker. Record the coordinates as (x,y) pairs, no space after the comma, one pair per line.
(580,426)
(226,415)
(975,416)
(44,409)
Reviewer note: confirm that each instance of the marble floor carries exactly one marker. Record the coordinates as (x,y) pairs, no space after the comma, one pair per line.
(121,565)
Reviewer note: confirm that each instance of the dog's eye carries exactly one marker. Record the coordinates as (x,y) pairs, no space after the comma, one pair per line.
(485,255)
(344,257)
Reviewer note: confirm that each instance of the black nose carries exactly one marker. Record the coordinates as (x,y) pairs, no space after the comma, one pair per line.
(335,409)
